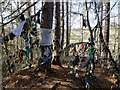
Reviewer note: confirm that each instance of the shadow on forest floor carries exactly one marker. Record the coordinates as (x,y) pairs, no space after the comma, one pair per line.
(59,79)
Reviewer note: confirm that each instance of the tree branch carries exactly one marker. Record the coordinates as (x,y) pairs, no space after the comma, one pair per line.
(19,14)
(15,11)
(5,6)
(106,14)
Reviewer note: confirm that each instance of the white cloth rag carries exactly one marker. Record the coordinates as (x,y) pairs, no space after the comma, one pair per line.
(17,31)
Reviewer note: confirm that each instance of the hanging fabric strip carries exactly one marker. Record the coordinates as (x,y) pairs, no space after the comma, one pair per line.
(28,51)
(26,42)
(17,31)
(47,52)
(82,47)
(38,19)
(45,59)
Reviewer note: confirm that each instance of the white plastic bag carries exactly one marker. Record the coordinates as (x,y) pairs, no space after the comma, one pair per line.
(45,36)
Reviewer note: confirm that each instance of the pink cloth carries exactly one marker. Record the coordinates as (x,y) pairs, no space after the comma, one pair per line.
(82,46)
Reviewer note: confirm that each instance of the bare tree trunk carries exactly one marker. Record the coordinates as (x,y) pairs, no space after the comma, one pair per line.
(101,17)
(119,34)
(69,32)
(67,25)
(57,60)
(91,35)
(62,40)
(107,23)
(46,22)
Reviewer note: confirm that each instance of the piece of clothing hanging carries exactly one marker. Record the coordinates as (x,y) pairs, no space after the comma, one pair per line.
(45,59)
(26,42)
(34,32)
(47,52)
(82,47)
(91,58)
(76,60)
(28,51)
(84,22)
(38,19)
(17,31)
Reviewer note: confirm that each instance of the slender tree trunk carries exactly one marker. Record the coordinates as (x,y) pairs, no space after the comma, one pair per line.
(62,40)
(57,60)
(101,17)
(69,32)
(107,23)
(119,34)
(67,25)
(91,35)
(31,55)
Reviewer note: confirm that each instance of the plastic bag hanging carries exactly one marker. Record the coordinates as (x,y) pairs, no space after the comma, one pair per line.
(45,37)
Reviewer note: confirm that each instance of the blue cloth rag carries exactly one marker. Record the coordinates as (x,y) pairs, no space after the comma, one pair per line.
(45,59)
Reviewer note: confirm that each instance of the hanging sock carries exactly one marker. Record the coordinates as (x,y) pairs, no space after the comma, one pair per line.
(17,31)
(38,19)
(34,32)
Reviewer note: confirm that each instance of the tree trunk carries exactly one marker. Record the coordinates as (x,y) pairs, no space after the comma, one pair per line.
(62,40)
(92,68)
(119,35)
(107,23)
(101,17)
(57,60)
(46,22)
(67,25)
(69,32)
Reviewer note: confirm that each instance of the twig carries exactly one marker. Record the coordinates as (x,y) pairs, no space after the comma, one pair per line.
(5,6)
(15,11)
(106,14)
(19,14)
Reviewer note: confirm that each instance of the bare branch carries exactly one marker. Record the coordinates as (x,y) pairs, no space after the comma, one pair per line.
(106,14)
(6,6)
(15,11)
(19,14)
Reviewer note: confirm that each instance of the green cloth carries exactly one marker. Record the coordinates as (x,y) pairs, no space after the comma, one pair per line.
(28,51)
(91,50)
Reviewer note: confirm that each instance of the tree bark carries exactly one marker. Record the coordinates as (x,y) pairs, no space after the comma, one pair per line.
(107,23)
(57,60)
(62,40)
(101,17)
(46,22)
(67,25)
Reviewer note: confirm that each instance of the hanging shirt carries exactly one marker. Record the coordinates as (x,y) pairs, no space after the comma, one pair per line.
(17,31)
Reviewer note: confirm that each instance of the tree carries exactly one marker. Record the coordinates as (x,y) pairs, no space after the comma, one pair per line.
(67,25)
(107,24)
(46,22)
(62,40)
(57,60)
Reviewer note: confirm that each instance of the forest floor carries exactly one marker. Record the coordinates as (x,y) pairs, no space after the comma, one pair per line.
(59,79)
